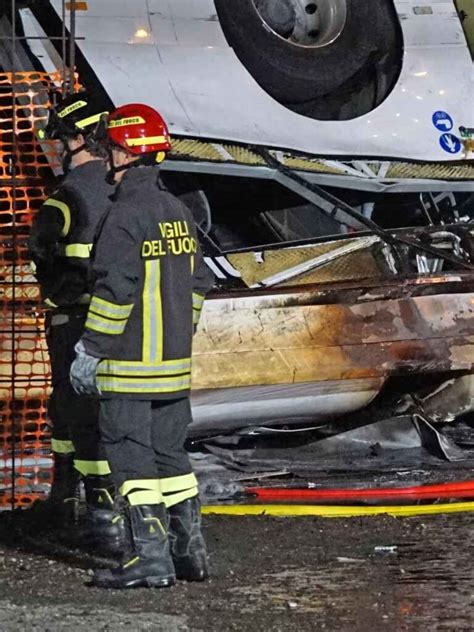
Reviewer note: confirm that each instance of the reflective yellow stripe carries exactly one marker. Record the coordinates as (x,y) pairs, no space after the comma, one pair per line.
(49,303)
(154,524)
(146,314)
(147,140)
(107,318)
(92,468)
(152,314)
(72,108)
(139,483)
(143,497)
(111,310)
(178,483)
(174,499)
(327,511)
(90,120)
(81,251)
(133,120)
(97,323)
(131,562)
(142,492)
(122,368)
(176,489)
(105,496)
(144,385)
(198,300)
(62,447)
(65,210)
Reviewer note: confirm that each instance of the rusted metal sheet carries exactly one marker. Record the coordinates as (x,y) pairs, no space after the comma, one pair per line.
(307,335)
(285,338)
(256,346)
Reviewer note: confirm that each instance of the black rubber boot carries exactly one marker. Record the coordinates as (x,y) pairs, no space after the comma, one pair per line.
(188,548)
(60,509)
(150,564)
(103,526)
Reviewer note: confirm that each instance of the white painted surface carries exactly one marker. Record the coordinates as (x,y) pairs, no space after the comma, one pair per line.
(227,408)
(173,55)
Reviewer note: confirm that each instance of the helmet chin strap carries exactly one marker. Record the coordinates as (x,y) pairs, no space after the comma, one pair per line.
(110,177)
(69,155)
(111,173)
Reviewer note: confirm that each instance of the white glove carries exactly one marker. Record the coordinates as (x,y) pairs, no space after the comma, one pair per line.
(83,372)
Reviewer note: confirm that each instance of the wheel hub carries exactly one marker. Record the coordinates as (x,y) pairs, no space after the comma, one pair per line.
(306,23)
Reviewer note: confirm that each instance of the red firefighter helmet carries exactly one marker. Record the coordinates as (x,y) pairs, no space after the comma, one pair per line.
(139,129)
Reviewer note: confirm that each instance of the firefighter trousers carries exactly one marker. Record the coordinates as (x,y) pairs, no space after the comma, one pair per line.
(144,445)
(74,418)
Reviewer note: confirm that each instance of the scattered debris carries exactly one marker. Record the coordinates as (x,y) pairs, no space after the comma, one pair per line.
(386,549)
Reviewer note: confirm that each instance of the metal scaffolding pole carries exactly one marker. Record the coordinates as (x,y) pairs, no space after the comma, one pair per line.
(15,60)
(72,44)
(13,161)
(63,34)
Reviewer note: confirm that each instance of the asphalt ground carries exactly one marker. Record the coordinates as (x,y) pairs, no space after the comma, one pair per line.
(268,574)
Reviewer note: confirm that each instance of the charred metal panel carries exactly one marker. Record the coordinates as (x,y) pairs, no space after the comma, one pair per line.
(277,339)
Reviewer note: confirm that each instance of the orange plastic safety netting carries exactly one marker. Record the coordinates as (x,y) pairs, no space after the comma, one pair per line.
(25,178)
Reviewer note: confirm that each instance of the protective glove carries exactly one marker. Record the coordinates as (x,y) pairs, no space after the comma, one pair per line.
(83,372)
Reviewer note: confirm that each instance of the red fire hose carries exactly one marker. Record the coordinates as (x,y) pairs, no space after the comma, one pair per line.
(462,489)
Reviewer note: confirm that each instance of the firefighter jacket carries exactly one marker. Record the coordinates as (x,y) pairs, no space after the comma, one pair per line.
(62,234)
(150,284)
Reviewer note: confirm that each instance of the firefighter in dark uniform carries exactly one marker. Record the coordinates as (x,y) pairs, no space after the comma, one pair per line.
(60,244)
(150,284)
